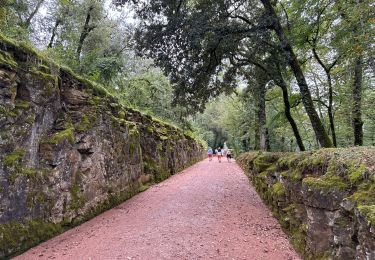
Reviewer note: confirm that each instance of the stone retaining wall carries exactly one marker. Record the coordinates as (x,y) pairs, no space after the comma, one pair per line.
(324,200)
(69,150)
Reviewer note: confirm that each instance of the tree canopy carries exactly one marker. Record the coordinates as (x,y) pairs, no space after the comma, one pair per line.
(279,75)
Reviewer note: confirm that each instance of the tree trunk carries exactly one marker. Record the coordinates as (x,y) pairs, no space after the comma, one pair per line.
(327,70)
(85,32)
(357,102)
(57,23)
(27,23)
(330,109)
(263,140)
(316,123)
(288,115)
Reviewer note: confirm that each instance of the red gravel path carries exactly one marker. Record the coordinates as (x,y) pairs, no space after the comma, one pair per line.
(209,211)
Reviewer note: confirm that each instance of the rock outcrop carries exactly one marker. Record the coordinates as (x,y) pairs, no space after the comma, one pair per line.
(69,150)
(325,200)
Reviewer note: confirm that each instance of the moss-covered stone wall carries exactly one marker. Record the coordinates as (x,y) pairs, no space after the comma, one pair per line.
(69,150)
(324,200)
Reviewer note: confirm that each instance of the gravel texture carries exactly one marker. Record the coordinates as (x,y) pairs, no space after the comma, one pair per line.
(208,211)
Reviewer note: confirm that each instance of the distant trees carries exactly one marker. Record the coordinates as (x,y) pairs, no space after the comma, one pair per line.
(299,74)
(196,43)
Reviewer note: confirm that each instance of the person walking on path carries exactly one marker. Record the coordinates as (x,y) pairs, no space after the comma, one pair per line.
(219,154)
(229,155)
(209,153)
(224,150)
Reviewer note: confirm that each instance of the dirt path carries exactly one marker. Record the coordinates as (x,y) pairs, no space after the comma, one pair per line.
(209,211)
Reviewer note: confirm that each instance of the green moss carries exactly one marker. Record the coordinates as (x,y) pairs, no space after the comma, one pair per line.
(292,175)
(115,106)
(121,114)
(14,158)
(7,112)
(356,173)
(45,69)
(67,134)
(263,161)
(30,119)
(161,175)
(133,148)
(36,198)
(368,211)
(8,60)
(43,75)
(149,129)
(77,198)
(326,182)
(29,49)
(278,189)
(95,101)
(314,163)
(143,188)
(290,160)
(20,171)
(87,122)
(163,137)
(16,237)
(22,104)
(365,195)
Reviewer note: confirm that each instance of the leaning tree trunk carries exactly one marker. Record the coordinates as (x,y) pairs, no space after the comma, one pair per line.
(357,103)
(85,32)
(27,23)
(316,123)
(327,70)
(57,23)
(288,114)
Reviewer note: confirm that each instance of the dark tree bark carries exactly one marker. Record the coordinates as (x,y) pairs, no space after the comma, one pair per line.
(87,28)
(357,102)
(261,136)
(316,123)
(27,23)
(327,70)
(281,83)
(262,118)
(57,23)
(277,76)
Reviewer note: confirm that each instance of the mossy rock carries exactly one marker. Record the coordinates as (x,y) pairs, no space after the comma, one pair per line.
(356,173)
(278,189)
(326,182)
(368,212)
(365,195)
(17,237)
(77,198)
(30,173)
(7,60)
(22,104)
(14,158)
(67,134)
(6,112)
(87,122)
(292,175)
